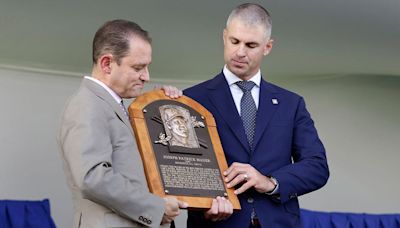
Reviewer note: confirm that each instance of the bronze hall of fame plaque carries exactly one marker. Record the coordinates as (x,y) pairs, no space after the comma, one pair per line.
(180,148)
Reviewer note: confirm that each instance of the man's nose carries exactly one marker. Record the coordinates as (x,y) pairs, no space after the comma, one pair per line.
(145,75)
(241,51)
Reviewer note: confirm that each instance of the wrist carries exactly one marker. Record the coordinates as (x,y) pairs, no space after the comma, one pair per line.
(275,184)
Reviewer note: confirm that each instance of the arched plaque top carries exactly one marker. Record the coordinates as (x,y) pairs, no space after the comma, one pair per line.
(137,107)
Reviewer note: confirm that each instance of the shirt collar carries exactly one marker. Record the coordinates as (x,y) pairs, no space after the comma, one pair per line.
(110,91)
(232,78)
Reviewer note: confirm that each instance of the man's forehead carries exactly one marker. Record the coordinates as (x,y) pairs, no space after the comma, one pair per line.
(239,28)
(139,55)
(245,38)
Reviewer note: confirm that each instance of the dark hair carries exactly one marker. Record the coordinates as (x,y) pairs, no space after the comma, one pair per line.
(113,37)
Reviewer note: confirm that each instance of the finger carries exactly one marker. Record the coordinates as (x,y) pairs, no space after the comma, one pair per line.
(233,174)
(221,208)
(235,168)
(213,210)
(170,90)
(182,204)
(172,203)
(245,170)
(228,210)
(243,188)
(167,90)
(174,212)
(177,212)
(237,180)
(230,168)
(174,93)
(177,92)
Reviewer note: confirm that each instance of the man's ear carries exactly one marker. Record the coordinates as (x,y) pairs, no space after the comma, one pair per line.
(105,63)
(224,34)
(268,46)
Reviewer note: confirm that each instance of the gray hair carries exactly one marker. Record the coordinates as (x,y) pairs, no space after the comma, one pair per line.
(252,14)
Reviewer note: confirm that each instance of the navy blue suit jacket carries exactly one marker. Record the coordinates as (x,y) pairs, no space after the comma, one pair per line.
(286,146)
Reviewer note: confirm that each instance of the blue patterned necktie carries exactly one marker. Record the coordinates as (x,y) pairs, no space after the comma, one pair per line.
(248,110)
(124,109)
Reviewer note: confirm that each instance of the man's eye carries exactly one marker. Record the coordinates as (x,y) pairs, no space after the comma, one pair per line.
(234,41)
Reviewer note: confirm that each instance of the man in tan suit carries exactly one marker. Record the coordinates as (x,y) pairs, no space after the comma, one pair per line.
(101,159)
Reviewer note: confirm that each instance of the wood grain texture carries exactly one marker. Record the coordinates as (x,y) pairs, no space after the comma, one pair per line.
(145,143)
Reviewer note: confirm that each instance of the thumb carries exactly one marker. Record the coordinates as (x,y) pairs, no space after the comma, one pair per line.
(182,204)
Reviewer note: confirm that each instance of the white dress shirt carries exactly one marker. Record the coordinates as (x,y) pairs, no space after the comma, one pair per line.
(117,98)
(236,92)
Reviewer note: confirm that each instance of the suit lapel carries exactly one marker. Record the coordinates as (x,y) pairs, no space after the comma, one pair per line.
(266,109)
(220,96)
(104,95)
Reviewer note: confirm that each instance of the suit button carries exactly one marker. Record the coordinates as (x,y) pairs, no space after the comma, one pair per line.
(250,200)
(293,196)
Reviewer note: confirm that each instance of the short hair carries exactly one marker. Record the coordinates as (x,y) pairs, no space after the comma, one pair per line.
(113,37)
(252,14)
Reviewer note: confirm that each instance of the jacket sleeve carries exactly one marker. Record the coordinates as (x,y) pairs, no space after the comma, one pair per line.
(309,170)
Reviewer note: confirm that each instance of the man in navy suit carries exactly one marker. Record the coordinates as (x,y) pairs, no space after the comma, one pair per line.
(274,156)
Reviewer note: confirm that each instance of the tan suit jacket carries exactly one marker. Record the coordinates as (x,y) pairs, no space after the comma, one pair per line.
(103,165)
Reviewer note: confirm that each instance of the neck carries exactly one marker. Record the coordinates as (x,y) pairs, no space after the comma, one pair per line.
(99,75)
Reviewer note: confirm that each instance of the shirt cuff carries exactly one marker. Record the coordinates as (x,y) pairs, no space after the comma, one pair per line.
(276,189)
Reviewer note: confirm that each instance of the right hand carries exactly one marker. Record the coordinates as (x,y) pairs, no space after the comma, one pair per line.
(172,206)
(221,209)
(170,91)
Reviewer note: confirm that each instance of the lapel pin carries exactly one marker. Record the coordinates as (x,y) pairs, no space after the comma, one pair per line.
(275,101)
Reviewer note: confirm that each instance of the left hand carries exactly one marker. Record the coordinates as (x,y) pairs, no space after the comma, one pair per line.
(249,176)
(221,209)
(171,91)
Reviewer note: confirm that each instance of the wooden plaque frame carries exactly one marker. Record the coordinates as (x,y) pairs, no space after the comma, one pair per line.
(145,145)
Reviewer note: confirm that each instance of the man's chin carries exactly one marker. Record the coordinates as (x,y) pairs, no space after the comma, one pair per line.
(237,69)
(239,72)
(133,94)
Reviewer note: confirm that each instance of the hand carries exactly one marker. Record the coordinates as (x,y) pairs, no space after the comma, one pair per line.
(170,91)
(244,173)
(221,209)
(172,206)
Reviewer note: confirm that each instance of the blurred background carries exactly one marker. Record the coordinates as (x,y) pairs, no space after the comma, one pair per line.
(343,56)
